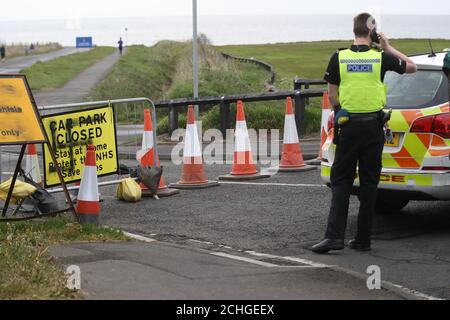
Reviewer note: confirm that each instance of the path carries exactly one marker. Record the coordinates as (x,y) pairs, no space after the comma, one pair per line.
(162,271)
(15,65)
(78,88)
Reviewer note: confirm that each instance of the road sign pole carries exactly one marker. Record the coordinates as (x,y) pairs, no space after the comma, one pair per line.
(195,56)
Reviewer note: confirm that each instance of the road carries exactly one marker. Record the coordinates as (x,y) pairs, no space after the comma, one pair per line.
(283,216)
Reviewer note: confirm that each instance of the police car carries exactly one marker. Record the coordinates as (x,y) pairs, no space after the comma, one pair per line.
(416,160)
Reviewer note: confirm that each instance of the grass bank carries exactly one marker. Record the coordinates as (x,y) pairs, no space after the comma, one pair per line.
(22,49)
(310,59)
(55,73)
(164,71)
(142,72)
(27,271)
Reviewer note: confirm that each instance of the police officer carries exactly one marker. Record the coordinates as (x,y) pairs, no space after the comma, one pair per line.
(355,77)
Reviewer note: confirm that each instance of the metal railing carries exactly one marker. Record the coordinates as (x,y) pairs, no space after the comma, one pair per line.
(115,104)
(262,64)
(131,111)
(300,98)
(299,84)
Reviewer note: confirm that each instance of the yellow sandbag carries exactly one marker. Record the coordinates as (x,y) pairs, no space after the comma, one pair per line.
(128,190)
(21,190)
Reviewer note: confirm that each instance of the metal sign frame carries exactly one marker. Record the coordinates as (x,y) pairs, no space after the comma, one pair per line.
(22,153)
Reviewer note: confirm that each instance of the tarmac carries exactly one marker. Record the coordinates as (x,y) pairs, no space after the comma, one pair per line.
(162,271)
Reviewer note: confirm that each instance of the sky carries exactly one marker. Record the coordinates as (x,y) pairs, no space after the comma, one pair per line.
(69,9)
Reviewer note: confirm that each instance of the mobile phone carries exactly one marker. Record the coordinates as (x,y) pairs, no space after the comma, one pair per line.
(374,36)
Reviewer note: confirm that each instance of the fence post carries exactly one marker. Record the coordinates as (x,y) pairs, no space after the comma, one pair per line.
(300,113)
(307,86)
(173,119)
(225,117)
(297,84)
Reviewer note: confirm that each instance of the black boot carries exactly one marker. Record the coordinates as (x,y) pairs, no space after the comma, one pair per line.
(328,245)
(359,246)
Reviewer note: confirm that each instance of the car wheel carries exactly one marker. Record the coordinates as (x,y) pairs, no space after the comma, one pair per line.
(387,205)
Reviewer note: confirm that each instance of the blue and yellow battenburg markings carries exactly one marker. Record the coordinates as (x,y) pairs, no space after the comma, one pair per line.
(394,179)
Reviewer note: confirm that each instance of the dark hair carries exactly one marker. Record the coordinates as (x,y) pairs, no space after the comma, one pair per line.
(361,24)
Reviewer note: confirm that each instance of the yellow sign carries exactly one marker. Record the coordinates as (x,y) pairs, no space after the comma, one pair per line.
(70,134)
(395,141)
(19,119)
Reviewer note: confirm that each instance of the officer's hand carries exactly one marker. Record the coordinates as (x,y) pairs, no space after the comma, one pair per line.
(384,41)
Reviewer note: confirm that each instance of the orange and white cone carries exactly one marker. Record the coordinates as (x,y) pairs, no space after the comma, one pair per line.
(194,176)
(32,164)
(244,167)
(146,157)
(88,202)
(326,111)
(292,157)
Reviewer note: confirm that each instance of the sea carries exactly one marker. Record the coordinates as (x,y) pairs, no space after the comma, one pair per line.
(221,30)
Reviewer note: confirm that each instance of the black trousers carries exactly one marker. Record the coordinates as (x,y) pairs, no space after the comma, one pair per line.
(360,144)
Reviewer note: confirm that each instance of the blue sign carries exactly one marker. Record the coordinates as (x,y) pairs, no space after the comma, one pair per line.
(84,42)
(359,68)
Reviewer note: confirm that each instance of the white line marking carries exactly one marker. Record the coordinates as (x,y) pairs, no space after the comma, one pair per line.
(401,290)
(275,184)
(262,263)
(418,294)
(252,261)
(201,242)
(386,284)
(292,259)
(139,238)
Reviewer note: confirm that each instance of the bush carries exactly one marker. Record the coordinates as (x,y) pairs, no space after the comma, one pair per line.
(163,123)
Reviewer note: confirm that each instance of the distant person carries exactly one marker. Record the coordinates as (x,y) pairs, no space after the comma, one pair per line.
(120,46)
(2,53)
(31,48)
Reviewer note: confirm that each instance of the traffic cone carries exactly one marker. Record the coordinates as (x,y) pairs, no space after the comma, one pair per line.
(32,164)
(292,157)
(88,204)
(146,158)
(244,167)
(326,111)
(194,176)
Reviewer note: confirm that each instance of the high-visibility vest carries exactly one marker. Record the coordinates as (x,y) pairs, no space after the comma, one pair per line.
(361,89)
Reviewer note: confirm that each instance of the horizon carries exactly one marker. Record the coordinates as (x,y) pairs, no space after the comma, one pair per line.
(220,15)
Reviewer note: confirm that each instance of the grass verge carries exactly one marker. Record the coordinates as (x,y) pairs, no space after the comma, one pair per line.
(27,271)
(55,73)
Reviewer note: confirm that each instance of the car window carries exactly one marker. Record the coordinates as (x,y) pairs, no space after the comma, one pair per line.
(424,88)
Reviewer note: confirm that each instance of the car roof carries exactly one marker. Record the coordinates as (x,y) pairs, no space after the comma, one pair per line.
(427,61)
